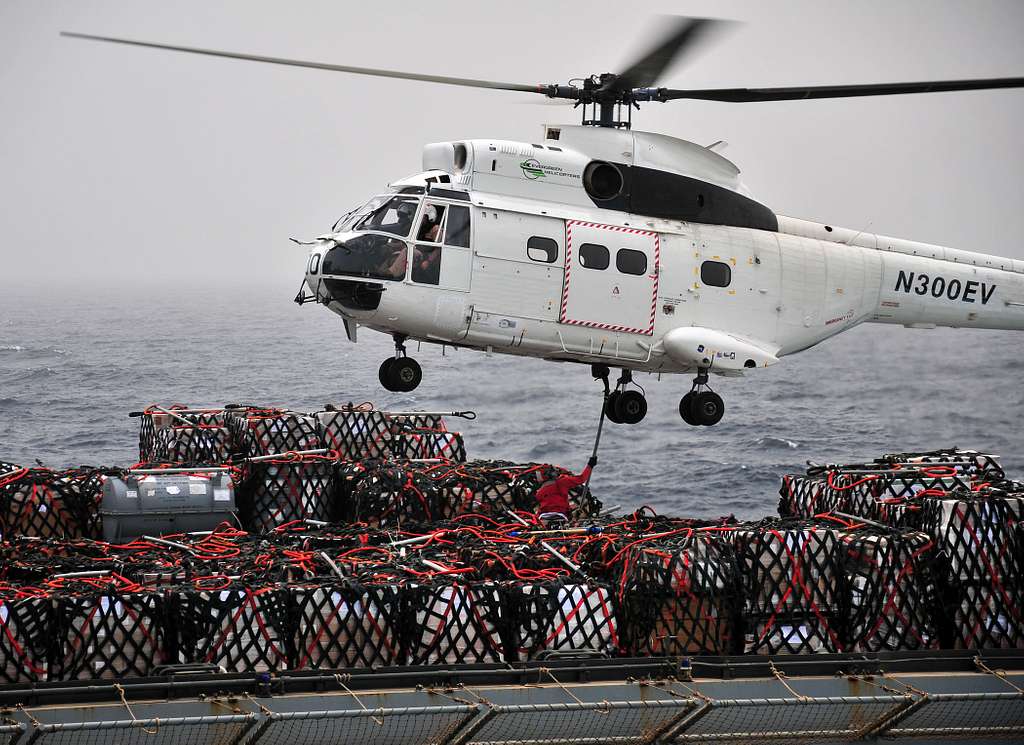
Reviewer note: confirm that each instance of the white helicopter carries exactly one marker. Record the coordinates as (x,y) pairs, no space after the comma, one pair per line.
(600,244)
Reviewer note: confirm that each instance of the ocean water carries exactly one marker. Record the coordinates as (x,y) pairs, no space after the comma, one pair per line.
(74,362)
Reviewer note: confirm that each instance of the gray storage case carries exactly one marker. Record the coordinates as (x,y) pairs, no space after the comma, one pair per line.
(157,504)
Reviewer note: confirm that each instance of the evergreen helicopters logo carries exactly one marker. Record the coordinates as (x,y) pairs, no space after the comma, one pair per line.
(533,169)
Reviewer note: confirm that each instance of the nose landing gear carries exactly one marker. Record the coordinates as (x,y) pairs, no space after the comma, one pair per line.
(400,374)
(701,406)
(622,406)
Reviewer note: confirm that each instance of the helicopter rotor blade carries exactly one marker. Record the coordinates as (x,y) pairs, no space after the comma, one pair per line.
(682,37)
(466,82)
(752,95)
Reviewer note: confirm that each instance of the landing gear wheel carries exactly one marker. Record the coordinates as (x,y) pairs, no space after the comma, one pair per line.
(384,374)
(708,408)
(405,374)
(611,409)
(686,409)
(630,407)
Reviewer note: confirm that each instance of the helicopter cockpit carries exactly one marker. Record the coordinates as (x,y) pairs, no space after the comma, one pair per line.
(376,248)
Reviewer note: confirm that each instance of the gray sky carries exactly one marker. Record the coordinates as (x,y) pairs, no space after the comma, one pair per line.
(130,163)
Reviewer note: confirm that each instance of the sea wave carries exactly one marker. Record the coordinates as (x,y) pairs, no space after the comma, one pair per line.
(776,443)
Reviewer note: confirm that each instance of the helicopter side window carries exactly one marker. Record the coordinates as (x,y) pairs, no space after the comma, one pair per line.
(715,274)
(629,261)
(542,249)
(456,229)
(394,216)
(593,256)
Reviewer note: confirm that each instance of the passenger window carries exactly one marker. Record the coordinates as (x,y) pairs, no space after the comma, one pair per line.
(430,224)
(715,273)
(629,261)
(593,256)
(456,231)
(394,216)
(542,249)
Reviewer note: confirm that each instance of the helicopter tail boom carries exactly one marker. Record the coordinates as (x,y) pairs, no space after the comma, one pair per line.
(925,285)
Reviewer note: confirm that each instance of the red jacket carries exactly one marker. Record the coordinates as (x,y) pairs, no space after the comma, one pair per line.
(553,496)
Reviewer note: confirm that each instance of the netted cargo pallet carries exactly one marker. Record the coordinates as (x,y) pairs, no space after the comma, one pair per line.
(793,593)
(979,537)
(178,434)
(269,431)
(358,435)
(282,490)
(562,616)
(236,629)
(109,635)
(681,599)
(390,492)
(339,625)
(887,488)
(25,638)
(453,623)
(44,503)
(879,493)
(892,586)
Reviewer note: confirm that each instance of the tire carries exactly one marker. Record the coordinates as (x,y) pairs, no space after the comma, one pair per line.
(405,374)
(708,408)
(611,409)
(631,407)
(686,409)
(384,374)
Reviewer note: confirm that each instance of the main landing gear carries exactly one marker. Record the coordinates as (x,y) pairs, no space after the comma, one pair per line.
(400,373)
(701,406)
(621,406)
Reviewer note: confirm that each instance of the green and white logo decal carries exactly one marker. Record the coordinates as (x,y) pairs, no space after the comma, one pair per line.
(532,168)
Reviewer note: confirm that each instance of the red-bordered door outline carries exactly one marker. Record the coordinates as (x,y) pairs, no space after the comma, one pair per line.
(655,274)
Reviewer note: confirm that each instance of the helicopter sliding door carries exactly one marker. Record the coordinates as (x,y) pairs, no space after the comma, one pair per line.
(611,277)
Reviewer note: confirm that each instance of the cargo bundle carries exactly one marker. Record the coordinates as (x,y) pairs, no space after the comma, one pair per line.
(49,503)
(474,589)
(964,504)
(887,489)
(391,492)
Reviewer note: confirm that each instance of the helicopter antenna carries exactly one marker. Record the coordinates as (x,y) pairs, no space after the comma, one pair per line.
(603,97)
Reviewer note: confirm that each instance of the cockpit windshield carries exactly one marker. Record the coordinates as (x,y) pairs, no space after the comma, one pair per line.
(370,256)
(391,214)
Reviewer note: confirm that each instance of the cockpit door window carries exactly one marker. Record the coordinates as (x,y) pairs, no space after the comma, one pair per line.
(394,216)
(431,224)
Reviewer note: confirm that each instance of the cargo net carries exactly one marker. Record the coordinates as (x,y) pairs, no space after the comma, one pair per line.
(680,599)
(888,489)
(233,628)
(891,588)
(506,588)
(357,434)
(286,489)
(109,636)
(344,625)
(270,431)
(44,503)
(393,492)
(793,601)
(178,434)
(980,540)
